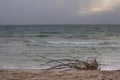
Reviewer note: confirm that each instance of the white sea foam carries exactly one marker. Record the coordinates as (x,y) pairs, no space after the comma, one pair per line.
(76,43)
(110,67)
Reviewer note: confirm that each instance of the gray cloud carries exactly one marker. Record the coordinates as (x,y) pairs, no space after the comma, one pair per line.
(53,12)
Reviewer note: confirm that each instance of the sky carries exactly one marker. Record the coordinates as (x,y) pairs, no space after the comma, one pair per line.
(59,12)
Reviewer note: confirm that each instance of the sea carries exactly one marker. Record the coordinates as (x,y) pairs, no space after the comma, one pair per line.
(30,46)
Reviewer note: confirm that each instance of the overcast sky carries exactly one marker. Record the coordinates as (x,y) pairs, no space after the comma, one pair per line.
(59,12)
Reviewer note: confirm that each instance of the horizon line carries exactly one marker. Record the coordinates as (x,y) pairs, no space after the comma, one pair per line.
(56,24)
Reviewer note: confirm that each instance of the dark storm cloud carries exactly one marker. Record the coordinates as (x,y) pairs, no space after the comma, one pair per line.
(57,12)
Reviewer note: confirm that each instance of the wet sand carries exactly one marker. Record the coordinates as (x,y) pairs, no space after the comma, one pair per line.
(15,74)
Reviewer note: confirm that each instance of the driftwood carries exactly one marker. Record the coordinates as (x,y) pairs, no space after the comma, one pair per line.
(73,63)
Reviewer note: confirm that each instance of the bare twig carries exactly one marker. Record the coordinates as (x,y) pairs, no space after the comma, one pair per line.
(74,63)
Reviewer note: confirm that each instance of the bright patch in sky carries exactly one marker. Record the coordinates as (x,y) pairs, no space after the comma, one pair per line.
(101,6)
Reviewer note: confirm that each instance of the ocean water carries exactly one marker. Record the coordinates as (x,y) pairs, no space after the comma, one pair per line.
(23,46)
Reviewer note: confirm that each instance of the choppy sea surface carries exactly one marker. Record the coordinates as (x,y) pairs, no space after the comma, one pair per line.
(23,46)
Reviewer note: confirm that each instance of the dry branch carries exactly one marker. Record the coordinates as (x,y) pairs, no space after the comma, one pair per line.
(73,64)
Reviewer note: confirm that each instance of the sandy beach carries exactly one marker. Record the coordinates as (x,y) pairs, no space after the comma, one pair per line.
(15,74)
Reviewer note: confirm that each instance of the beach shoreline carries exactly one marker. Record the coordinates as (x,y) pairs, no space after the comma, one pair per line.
(35,74)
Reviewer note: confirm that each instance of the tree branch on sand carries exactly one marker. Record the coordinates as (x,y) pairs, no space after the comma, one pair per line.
(73,63)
